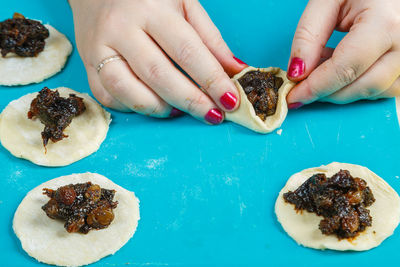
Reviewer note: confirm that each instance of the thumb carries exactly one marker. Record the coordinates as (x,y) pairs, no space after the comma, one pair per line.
(313,32)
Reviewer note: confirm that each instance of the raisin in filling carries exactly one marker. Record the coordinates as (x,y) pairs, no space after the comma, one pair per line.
(55,112)
(83,207)
(262,89)
(22,36)
(341,200)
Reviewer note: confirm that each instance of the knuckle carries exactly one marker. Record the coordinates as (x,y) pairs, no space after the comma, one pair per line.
(215,77)
(186,53)
(155,72)
(303,34)
(193,104)
(346,74)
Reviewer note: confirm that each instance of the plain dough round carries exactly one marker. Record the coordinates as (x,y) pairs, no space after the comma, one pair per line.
(303,226)
(46,239)
(16,70)
(245,114)
(22,136)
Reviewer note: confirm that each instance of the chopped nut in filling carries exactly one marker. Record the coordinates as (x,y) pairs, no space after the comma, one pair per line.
(83,207)
(24,37)
(55,112)
(262,89)
(341,200)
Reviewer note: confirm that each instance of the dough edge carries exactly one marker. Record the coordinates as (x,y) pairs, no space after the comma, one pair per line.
(51,249)
(245,114)
(58,154)
(27,70)
(303,227)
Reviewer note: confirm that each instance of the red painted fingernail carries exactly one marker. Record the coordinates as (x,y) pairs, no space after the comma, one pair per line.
(175,112)
(295,105)
(239,61)
(228,100)
(296,68)
(214,116)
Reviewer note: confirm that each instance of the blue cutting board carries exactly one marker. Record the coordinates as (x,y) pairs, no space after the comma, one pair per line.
(207,193)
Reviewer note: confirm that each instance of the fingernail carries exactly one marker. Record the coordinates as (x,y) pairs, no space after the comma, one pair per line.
(214,116)
(228,100)
(239,61)
(295,105)
(296,68)
(175,112)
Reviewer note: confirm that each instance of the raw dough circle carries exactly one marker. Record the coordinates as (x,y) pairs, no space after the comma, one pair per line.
(22,136)
(303,226)
(46,239)
(16,70)
(245,114)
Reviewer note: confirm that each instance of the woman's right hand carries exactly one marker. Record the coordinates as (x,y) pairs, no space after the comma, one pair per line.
(148,34)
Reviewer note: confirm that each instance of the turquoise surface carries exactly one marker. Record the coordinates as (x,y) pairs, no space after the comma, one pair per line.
(207,193)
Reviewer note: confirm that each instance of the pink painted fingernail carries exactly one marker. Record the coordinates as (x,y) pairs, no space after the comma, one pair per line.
(228,100)
(175,112)
(295,105)
(239,61)
(214,116)
(296,68)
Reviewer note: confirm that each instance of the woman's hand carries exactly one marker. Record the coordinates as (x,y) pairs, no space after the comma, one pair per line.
(148,34)
(365,64)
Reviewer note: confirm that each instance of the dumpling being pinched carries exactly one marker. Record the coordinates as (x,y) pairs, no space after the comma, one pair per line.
(263,92)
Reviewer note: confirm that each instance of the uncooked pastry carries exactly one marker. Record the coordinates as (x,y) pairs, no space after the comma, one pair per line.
(22,136)
(46,239)
(16,70)
(245,114)
(303,226)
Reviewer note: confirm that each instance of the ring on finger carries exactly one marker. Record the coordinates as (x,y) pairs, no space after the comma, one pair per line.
(108,60)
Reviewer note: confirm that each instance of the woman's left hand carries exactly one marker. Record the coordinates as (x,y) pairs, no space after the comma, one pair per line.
(365,64)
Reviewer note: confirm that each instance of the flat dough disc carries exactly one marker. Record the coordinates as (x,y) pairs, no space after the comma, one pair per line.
(303,226)
(245,114)
(22,136)
(16,70)
(46,239)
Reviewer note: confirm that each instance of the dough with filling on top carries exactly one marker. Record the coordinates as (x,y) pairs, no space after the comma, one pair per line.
(303,226)
(246,116)
(16,70)
(22,136)
(47,240)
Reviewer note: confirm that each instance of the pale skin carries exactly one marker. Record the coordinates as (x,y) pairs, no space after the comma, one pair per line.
(151,34)
(365,64)
(148,34)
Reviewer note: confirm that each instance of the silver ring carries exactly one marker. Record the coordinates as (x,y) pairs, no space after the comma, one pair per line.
(108,60)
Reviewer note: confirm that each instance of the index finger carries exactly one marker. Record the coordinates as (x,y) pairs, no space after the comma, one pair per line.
(187,49)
